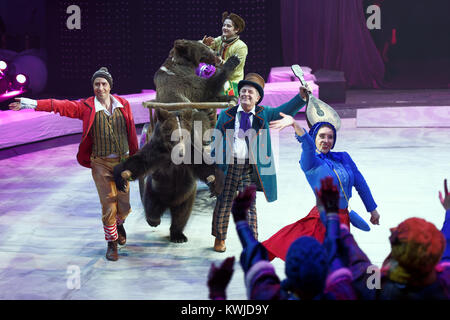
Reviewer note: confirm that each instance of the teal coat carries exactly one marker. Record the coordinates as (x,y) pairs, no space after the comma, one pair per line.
(260,151)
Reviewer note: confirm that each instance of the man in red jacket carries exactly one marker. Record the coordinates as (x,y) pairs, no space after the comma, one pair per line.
(109,136)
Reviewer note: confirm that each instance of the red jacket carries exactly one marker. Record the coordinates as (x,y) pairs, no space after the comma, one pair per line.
(85,111)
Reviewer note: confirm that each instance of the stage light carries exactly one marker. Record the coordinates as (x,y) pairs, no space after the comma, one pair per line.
(35,70)
(3,67)
(20,82)
(11,83)
(20,78)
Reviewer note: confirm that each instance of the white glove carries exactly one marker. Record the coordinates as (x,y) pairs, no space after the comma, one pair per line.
(26,103)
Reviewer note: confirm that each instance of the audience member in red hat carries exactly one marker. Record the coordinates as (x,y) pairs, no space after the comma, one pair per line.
(417,268)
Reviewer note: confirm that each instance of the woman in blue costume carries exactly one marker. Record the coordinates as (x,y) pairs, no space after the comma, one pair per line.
(318,161)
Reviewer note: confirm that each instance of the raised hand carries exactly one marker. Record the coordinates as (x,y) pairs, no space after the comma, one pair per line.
(328,195)
(445,200)
(208,40)
(243,202)
(15,106)
(285,121)
(219,277)
(305,91)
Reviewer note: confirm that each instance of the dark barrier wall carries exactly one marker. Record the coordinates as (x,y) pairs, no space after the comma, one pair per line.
(22,24)
(132,38)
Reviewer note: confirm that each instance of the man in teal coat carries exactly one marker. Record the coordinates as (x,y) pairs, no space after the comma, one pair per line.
(242,149)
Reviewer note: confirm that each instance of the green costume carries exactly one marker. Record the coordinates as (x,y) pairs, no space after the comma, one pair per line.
(226,49)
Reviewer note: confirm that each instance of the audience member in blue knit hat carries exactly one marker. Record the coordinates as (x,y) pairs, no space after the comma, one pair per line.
(306,269)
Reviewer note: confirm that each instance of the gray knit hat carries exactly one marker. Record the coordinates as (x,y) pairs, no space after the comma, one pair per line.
(103,73)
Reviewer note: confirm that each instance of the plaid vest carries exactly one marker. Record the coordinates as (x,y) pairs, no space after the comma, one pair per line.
(109,134)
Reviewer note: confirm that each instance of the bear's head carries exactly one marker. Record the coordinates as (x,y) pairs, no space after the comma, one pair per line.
(189,52)
(172,131)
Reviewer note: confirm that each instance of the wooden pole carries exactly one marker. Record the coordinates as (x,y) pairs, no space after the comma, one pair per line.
(183,105)
(178,106)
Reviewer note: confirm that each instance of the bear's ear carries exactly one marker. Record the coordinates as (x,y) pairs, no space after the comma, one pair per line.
(177,43)
(161,114)
(180,47)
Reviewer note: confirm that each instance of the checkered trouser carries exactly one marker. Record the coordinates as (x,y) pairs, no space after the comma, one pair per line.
(237,178)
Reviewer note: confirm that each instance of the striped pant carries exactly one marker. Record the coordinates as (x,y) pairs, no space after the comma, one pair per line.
(237,178)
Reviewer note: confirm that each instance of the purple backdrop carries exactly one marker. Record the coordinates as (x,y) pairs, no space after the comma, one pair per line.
(324,34)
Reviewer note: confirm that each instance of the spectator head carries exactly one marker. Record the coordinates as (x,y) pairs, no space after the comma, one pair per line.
(416,248)
(306,268)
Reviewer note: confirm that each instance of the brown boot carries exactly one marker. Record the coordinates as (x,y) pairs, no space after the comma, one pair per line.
(122,235)
(219,245)
(111,253)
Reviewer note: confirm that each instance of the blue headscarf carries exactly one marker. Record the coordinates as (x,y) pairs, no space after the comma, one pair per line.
(306,266)
(315,129)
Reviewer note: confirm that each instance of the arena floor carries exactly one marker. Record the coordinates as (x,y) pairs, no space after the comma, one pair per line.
(50,226)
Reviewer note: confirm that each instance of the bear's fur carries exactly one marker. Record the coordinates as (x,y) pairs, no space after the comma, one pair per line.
(176,80)
(171,186)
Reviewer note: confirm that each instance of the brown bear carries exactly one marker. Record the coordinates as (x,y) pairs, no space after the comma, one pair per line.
(170,185)
(176,80)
